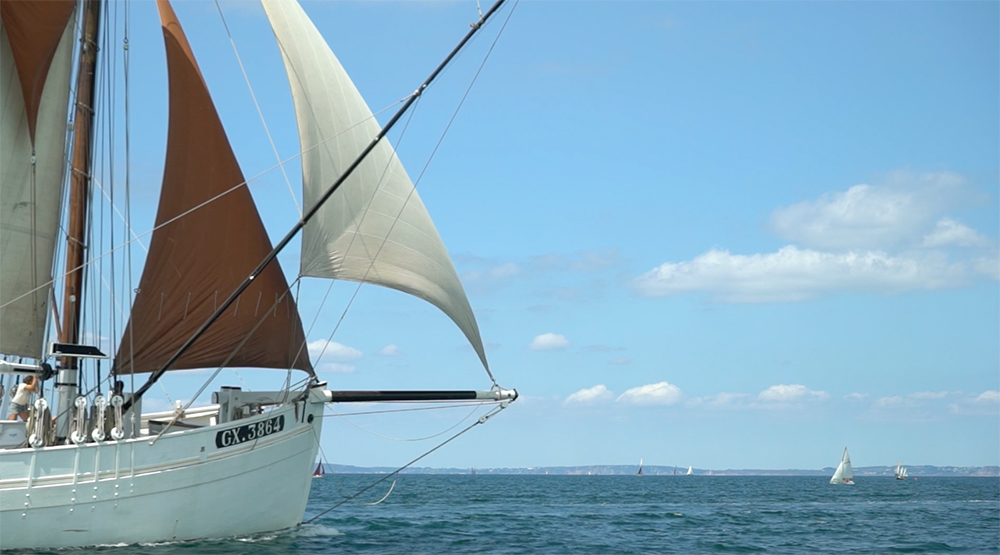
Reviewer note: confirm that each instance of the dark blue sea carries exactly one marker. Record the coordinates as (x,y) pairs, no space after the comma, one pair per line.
(455,514)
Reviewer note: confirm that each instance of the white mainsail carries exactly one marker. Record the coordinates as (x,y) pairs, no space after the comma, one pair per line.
(375,228)
(844,473)
(30,198)
(690,471)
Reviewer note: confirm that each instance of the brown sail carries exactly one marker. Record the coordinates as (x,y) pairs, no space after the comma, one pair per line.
(34,30)
(196,260)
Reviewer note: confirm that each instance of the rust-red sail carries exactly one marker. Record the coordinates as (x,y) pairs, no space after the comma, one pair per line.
(34,30)
(196,260)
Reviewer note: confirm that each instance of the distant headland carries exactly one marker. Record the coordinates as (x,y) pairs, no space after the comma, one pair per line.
(914,471)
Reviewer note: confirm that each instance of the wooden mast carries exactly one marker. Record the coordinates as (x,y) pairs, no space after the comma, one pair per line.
(79,208)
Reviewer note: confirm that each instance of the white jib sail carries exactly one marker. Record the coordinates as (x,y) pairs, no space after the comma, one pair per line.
(29,215)
(375,228)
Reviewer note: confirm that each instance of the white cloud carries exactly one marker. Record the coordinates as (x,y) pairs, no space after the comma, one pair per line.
(856,396)
(793,274)
(620,361)
(661,393)
(988,266)
(721,400)
(884,239)
(580,261)
(548,341)
(893,401)
(784,393)
(324,350)
(390,350)
(501,272)
(948,232)
(991,396)
(602,348)
(986,403)
(336,368)
(490,279)
(866,216)
(594,394)
(929,395)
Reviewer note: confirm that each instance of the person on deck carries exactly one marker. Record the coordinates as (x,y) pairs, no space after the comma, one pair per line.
(19,404)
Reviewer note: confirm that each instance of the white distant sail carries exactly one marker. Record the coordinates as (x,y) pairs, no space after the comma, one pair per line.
(690,471)
(844,473)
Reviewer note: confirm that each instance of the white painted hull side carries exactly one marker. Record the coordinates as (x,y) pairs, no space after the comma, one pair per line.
(181,487)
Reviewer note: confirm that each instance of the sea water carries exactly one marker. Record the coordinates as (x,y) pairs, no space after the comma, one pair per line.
(531,514)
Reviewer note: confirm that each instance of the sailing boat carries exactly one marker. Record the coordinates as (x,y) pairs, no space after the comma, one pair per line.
(320,471)
(844,473)
(689,472)
(900,472)
(639,473)
(211,295)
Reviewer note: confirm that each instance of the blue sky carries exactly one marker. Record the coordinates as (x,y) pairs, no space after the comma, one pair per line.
(727,235)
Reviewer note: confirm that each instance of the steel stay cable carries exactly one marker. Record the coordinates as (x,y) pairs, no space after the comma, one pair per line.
(425,438)
(482,420)
(456,405)
(267,131)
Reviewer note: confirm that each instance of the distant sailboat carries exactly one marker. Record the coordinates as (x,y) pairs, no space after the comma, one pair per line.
(690,471)
(900,472)
(844,473)
(320,471)
(640,468)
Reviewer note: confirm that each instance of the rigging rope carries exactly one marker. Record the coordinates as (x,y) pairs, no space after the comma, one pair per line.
(482,420)
(452,405)
(393,486)
(260,113)
(442,432)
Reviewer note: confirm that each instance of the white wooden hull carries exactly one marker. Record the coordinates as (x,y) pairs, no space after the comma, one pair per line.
(184,486)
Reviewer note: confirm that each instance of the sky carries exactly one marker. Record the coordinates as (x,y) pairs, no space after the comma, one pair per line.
(724,235)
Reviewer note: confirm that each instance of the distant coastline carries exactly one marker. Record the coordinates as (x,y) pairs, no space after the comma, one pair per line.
(914,471)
